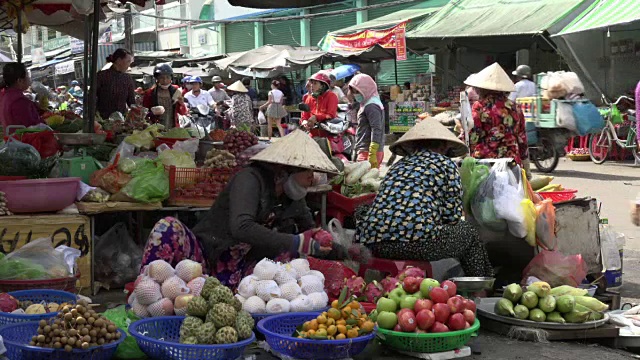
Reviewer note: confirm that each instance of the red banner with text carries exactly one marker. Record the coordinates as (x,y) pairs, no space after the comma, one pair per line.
(387,38)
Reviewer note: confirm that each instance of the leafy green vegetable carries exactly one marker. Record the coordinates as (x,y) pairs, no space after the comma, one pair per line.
(177,133)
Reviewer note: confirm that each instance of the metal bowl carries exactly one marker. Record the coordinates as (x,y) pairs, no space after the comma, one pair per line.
(473,284)
(80,138)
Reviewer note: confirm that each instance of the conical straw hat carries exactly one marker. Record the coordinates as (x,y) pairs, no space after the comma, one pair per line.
(493,77)
(238,87)
(425,130)
(297,150)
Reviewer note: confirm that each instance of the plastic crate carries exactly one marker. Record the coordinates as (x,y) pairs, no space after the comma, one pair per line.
(65,284)
(346,204)
(197,186)
(158,338)
(36,296)
(17,337)
(559,196)
(278,330)
(427,343)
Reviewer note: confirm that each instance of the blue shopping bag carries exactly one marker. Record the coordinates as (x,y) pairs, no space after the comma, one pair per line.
(588,118)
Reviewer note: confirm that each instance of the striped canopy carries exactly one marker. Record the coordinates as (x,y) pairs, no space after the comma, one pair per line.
(603,14)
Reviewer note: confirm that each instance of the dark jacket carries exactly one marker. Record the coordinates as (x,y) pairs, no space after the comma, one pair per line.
(248,211)
(150,100)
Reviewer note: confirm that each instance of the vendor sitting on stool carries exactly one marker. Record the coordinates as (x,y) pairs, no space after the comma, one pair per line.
(261,213)
(417,214)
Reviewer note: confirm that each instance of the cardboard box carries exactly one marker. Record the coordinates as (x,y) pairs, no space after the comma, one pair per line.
(70,230)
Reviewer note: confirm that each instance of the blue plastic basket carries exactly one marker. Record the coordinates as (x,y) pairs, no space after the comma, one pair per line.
(17,337)
(258,317)
(36,296)
(158,337)
(278,329)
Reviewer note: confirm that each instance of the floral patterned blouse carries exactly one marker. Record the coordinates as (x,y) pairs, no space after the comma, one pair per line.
(241,110)
(498,130)
(418,195)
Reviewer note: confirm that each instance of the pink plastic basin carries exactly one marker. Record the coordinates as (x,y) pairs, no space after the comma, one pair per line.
(40,195)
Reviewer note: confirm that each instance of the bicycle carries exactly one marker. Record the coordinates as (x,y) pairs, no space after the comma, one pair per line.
(600,143)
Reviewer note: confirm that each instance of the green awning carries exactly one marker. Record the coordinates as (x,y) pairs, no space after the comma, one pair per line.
(482,18)
(411,13)
(605,13)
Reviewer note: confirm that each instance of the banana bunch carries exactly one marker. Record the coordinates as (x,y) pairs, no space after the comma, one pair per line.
(552,187)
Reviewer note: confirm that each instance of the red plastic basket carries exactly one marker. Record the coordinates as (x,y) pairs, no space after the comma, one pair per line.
(559,196)
(197,186)
(346,204)
(66,284)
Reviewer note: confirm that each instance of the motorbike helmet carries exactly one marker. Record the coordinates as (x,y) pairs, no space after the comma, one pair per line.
(523,71)
(186,79)
(322,76)
(75,83)
(195,79)
(162,69)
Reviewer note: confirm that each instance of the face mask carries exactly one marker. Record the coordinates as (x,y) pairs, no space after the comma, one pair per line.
(189,86)
(359,97)
(293,190)
(165,87)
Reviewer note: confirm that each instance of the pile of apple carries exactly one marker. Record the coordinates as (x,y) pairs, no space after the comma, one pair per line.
(424,305)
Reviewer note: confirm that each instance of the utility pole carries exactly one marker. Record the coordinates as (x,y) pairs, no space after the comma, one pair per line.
(128,29)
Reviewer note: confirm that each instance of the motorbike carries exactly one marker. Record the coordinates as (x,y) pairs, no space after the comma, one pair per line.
(340,140)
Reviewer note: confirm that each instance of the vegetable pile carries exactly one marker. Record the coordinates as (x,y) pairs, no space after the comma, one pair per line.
(220,159)
(236,141)
(280,288)
(358,179)
(176,133)
(419,305)
(9,304)
(217,135)
(541,303)
(76,327)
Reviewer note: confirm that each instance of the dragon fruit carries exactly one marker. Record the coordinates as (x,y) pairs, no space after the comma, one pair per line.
(389,283)
(8,303)
(355,285)
(334,289)
(373,291)
(411,271)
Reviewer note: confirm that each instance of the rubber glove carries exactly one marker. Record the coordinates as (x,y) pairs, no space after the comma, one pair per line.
(306,244)
(373,155)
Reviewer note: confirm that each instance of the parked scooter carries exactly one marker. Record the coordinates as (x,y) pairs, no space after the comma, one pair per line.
(340,136)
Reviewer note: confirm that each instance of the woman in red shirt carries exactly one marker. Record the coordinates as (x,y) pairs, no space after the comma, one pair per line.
(15,108)
(166,95)
(322,102)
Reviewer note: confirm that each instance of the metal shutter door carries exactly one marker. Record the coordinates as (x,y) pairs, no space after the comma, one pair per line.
(407,70)
(378,12)
(282,33)
(239,37)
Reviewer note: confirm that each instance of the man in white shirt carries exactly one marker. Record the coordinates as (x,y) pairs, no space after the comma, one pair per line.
(217,91)
(197,96)
(524,86)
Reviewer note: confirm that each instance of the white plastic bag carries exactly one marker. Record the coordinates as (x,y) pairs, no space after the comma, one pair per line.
(572,83)
(565,116)
(190,146)
(509,193)
(261,118)
(609,248)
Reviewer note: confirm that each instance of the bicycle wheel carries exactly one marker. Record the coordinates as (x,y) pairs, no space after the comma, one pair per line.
(599,146)
(545,157)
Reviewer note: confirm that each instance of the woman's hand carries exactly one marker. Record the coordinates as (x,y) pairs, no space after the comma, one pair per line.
(305,243)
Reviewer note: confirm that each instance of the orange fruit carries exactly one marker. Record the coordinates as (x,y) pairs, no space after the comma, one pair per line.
(313,324)
(321,332)
(331,321)
(342,329)
(321,319)
(346,312)
(311,332)
(368,326)
(341,337)
(306,326)
(341,322)
(332,330)
(334,314)
(334,304)
(322,326)
(353,333)
(354,305)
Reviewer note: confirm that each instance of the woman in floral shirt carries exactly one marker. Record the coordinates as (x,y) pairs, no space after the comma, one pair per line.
(499,128)
(241,110)
(417,214)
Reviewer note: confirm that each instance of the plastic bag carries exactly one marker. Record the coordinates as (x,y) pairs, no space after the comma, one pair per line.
(122,318)
(546,224)
(36,260)
(18,159)
(509,193)
(572,83)
(609,248)
(117,257)
(177,158)
(262,119)
(555,86)
(190,146)
(529,212)
(129,165)
(44,142)
(110,178)
(482,205)
(144,138)
(125,150)
(96,195)
(557,269)
(565,116)
(150,184)
(472,175)
(588,118)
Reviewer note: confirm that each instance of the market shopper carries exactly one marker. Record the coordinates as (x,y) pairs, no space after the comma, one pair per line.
(261,213)
(241,109)
(115,88)
(196,96)
(274,109)
(253,93)
(75,89)
(498,129)
(15,107)
(524,86)
(217,91)
(370,119)
(164,94)
(417,213)
(323,104)
(187,84)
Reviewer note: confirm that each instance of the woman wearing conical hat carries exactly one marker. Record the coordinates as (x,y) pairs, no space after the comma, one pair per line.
(499,128)
(241,109)
(261,213)
(417,213)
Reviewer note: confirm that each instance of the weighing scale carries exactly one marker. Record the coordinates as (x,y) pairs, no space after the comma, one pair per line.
(80,165)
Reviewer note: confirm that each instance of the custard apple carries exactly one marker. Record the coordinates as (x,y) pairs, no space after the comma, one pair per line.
(189,326)
(198,307)
(221,294)
(206,334)
(244,325)
(191,340)
(223,315)
(237,303)
(226,335)
(209,284)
